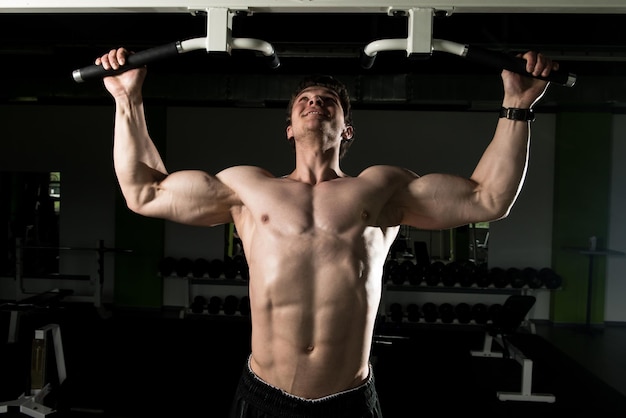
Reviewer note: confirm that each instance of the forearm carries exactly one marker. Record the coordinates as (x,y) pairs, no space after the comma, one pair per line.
(137,162)
(500,172)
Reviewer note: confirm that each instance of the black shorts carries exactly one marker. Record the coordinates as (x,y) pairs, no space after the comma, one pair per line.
(255,398)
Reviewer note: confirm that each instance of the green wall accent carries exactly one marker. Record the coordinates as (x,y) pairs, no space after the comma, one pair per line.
(581,210)
(137,283)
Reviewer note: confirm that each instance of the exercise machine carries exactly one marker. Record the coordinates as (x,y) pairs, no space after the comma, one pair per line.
(31,402)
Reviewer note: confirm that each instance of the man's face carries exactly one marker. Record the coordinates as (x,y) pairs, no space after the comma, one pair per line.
(317,109)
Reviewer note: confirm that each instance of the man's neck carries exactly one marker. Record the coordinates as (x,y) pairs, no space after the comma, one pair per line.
(312,176)
(316,166)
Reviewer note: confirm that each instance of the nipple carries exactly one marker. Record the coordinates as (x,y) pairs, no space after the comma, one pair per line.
(265,219)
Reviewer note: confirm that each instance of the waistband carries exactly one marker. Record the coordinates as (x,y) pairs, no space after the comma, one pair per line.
(352,402)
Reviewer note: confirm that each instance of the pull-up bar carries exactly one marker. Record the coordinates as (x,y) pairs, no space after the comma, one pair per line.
(419,42)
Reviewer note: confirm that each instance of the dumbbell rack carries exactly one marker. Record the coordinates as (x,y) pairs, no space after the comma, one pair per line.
(475,290)
(236,286)
(239,283)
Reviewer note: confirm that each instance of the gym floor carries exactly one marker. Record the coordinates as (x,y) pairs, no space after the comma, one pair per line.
(132,364)
(602,351)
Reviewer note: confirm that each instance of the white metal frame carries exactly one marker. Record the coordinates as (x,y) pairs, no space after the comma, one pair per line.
(326,6)
(32,404)
(526,393)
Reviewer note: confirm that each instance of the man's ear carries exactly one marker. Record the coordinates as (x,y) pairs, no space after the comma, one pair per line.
(289,131)
(348,132)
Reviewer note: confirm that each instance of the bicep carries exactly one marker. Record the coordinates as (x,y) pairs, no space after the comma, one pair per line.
(191,197)
(437,201)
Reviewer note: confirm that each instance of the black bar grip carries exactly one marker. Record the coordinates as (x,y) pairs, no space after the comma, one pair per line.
(273,61)
(501,60)
(366,61)
(135,60)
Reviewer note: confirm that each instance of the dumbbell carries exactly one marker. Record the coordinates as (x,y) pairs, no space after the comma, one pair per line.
(446,313)
(244,305)
(198,304)
(396,312)
(516,277)
(467,275)
(402,272)
(389,269)
(230,268)
(231,303)
(549,278)
(482,278)
(167,266)
(451,273)
(216,268)
(184,266)
(435,271)
(498,277)
(419,274)
(215,304)
(463,313)
(479,313)
(409,271)
(242,266)
(200,267)
(531,276)
(413,312)
(493,311)
(429,309)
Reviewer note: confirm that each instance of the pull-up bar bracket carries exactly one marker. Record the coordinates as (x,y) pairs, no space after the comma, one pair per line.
(420,37)
(219,29)
(419,43)
(220,36)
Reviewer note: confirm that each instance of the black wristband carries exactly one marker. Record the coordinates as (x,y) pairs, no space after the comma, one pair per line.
(514,113)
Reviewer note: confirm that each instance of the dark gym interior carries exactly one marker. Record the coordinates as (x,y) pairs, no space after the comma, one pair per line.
(135,364)
(127,360)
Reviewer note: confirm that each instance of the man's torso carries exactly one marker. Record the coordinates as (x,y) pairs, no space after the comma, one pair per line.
(315,254)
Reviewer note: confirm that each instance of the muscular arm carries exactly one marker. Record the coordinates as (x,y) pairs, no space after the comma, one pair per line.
(440,201)
(190,197)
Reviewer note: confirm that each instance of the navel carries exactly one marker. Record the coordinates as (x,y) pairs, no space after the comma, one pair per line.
(365,215)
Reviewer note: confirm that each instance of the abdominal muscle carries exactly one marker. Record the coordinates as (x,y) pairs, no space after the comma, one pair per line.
(314,301)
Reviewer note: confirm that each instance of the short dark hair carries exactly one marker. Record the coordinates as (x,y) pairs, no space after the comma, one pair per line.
(332,83)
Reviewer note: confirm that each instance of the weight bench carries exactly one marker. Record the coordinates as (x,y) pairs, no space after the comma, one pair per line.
(507,322)
(40,301)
